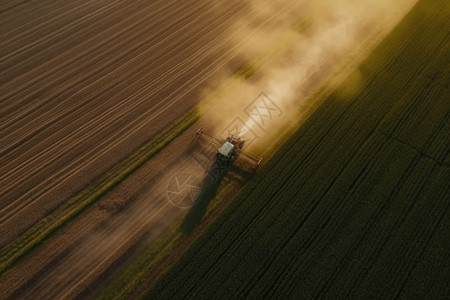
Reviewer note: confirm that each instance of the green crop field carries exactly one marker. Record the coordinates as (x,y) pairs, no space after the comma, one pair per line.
(355,204)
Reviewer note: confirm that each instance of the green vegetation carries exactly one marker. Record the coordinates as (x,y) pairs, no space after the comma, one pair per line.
(246,71)
(301,26)
(355,204)
(10,254)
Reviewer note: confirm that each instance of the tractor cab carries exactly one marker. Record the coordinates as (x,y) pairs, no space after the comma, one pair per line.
(228,151)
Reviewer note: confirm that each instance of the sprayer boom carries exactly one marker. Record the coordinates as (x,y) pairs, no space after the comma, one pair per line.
(229,149)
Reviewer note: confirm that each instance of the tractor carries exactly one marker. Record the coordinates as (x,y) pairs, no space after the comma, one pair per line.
(230,149)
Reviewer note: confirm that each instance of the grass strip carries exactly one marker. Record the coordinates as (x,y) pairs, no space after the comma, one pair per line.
(23,245)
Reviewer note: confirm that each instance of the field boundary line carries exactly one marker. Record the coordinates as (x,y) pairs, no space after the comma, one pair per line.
(48,226)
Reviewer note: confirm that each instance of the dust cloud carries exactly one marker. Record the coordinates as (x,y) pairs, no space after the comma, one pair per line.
(312,47)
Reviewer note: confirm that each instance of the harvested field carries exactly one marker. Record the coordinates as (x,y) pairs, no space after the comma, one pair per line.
(355,204)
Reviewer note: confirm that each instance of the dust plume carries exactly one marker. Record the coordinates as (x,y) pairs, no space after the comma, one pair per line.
(310,47)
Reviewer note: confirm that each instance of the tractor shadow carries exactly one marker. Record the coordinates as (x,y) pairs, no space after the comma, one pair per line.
(210,186)
(205,153)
